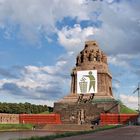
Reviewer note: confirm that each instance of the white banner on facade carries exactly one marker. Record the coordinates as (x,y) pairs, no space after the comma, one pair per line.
(87,81)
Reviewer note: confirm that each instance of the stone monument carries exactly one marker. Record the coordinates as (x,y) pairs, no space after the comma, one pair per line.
(85,107)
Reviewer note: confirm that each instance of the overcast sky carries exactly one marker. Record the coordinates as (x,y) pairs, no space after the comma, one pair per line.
(39,41)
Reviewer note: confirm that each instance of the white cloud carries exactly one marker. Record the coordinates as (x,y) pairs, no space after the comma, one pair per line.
(40,83)
(116,85)
(117,62)
(119,28)
(123,60)
(129,100)
(73,38)
(33,16)
(119,31)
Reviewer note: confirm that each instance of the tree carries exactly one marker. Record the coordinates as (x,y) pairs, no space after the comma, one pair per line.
(27,108)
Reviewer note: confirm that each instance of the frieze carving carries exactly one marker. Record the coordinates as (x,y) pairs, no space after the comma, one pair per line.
(89,55)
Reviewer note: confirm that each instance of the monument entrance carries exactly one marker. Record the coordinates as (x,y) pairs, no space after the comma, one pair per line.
(91,88)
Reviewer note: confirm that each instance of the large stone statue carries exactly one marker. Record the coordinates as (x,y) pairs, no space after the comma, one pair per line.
(92,56)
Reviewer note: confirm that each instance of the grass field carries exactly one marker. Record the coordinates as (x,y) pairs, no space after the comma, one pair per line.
(4,127)
(125,110)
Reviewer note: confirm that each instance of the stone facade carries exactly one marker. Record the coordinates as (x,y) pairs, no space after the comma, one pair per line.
(73,111)
(9,118)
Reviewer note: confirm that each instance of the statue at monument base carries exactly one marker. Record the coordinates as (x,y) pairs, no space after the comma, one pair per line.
(91,88)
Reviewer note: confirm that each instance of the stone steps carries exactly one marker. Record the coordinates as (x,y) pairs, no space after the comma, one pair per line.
(65,127)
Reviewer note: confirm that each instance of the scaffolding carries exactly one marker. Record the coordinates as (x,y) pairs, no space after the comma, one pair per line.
(138,90)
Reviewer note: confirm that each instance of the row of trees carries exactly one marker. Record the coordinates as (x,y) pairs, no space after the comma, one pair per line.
(27,108)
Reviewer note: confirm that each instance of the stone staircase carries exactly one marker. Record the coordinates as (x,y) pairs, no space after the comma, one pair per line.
(64,127)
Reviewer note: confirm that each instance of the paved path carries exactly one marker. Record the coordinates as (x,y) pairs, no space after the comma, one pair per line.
(124,133)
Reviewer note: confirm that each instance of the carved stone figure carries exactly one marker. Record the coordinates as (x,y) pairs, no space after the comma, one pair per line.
(98,56)
(94,54)
(104,58)
(78,60)
(91,56)
(83,57)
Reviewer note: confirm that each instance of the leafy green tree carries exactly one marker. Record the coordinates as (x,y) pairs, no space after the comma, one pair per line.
(27,108)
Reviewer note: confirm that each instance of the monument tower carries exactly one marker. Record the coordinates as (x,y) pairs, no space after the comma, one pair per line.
(90,76)
(92,58)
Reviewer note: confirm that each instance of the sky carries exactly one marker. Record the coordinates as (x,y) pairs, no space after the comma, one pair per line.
(40,39)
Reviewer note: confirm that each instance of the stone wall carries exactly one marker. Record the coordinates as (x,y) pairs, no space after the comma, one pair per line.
(9,118)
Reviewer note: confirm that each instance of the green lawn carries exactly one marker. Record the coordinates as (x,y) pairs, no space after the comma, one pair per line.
(125,110)
(15,127)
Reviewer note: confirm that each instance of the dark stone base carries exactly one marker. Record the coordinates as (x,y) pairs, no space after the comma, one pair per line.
(84,113)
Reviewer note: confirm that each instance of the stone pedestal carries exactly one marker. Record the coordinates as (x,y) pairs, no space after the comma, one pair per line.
(84,113)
